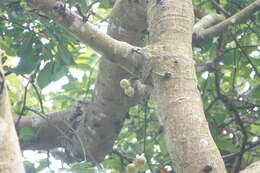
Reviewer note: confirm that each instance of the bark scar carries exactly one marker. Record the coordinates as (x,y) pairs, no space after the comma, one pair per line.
(166,75)
(207,169)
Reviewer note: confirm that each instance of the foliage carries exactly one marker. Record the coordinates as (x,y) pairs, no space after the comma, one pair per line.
(54,55)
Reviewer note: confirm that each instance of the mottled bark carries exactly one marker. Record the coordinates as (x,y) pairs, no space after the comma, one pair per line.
(177,99)
(10,154)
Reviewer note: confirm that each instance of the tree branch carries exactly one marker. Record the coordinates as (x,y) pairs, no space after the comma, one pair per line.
(116,51)
(47,136)
(204,23)
(223,26)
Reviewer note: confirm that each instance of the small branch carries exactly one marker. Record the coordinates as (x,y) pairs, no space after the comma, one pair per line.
(247,57)
(130,160)
(91,5)
(208,66)
(230,106)
(219,8)
(211,104)
(23,108)
(248,147)
(237,162)
(204,23)
(226,24)
(39,96)
(207,21)
(99,17)
(246,46)
(31,80)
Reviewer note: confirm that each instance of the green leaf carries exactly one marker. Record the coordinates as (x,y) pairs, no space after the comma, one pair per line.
(27,134)
(4,45)
(112,163)
(163,146)
(60,70)
(255,129)
(28,60)
(220,117)
(256,61)
(213,130)
(225,144)
(104,4)
(44,163)
(51,72)
(228,58)
(82,168)
(29,167)
(64,55)
(256,92)
(44,78)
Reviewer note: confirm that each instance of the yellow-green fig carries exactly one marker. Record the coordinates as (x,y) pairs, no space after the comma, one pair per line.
(129,91)
(131,168)
(124,83)
(140,161)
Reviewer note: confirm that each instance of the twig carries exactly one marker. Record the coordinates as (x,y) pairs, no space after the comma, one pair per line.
(219,8)
(31,81)
(251,146)
(85,17)
(230,106)
(23,108)
(39,96)
(130,160)
(244,53)
(211,104)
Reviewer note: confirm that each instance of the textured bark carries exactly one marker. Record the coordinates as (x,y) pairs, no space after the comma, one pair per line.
(253,168)
(10,157)
(177,98)
(104,118)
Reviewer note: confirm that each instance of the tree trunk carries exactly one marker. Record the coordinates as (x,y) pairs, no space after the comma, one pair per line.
(10,157)
(175,93)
